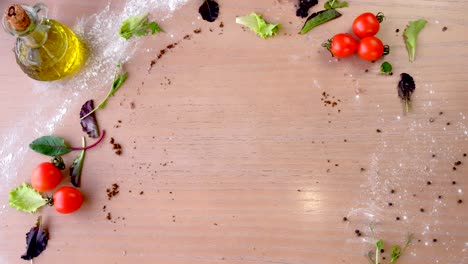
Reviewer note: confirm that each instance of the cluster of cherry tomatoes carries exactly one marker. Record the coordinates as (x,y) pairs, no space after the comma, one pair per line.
(369,47)
(45,177)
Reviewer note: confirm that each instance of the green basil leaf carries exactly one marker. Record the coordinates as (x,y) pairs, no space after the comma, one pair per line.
(386,68)
(333,4)
(319,18)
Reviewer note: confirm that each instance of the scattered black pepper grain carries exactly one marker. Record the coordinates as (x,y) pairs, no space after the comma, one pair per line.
(392,191)
(362,169)
(448,123)
(113,191)
(357,231)
(221,25)
(454,168)
(359,234)
(421,210)
(142,192)
(433,155)
(390,204)
(109,216)
(111,140)
(378,130)
(460,201)
(367,70)
(454,182)
(434,240)
(104,208)
(464,154)
(429,182)
(382,250)
(299,190)
(444,29)
(197,31)
(441,113)
(345,219)
(397,218)
(440,197)
(458,163)
(397,30)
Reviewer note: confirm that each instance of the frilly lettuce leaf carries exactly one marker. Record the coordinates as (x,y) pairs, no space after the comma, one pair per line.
(26,199)
(138,26)
(411,35)
(258,25)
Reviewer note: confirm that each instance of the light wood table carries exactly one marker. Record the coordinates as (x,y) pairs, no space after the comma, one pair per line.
(231,156)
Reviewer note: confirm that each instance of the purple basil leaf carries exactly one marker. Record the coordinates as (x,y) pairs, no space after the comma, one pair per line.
(77,167)
(89,124)
(209,10)
(304,6)
(36,241)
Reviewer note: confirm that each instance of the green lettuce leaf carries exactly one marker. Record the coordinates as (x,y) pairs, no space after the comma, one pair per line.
(138,26)
(26,199)
(258,25)
(411,35)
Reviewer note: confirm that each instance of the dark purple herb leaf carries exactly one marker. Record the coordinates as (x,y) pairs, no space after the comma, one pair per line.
(209,10)
(89,123)
(77,166)
(304,6)
(406,87)
(36,241)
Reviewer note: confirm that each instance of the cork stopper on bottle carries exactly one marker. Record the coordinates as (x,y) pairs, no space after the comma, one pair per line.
(17,17)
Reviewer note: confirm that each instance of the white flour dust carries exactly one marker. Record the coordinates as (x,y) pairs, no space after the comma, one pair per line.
(106,50)
(414,167)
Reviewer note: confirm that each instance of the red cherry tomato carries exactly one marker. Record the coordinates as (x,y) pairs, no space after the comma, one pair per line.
(366,25)
(343,45)
(67,200)
(45,177)
(370,48)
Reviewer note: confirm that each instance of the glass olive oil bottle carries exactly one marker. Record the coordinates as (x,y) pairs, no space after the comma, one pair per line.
(45,50)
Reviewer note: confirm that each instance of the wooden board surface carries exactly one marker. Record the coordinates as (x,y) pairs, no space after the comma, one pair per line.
(231,156)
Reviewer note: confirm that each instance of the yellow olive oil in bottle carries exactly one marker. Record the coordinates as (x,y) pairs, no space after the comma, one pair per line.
(46,50)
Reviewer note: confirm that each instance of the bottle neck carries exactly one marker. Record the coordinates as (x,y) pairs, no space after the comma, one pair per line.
(33,32)
(35,38)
